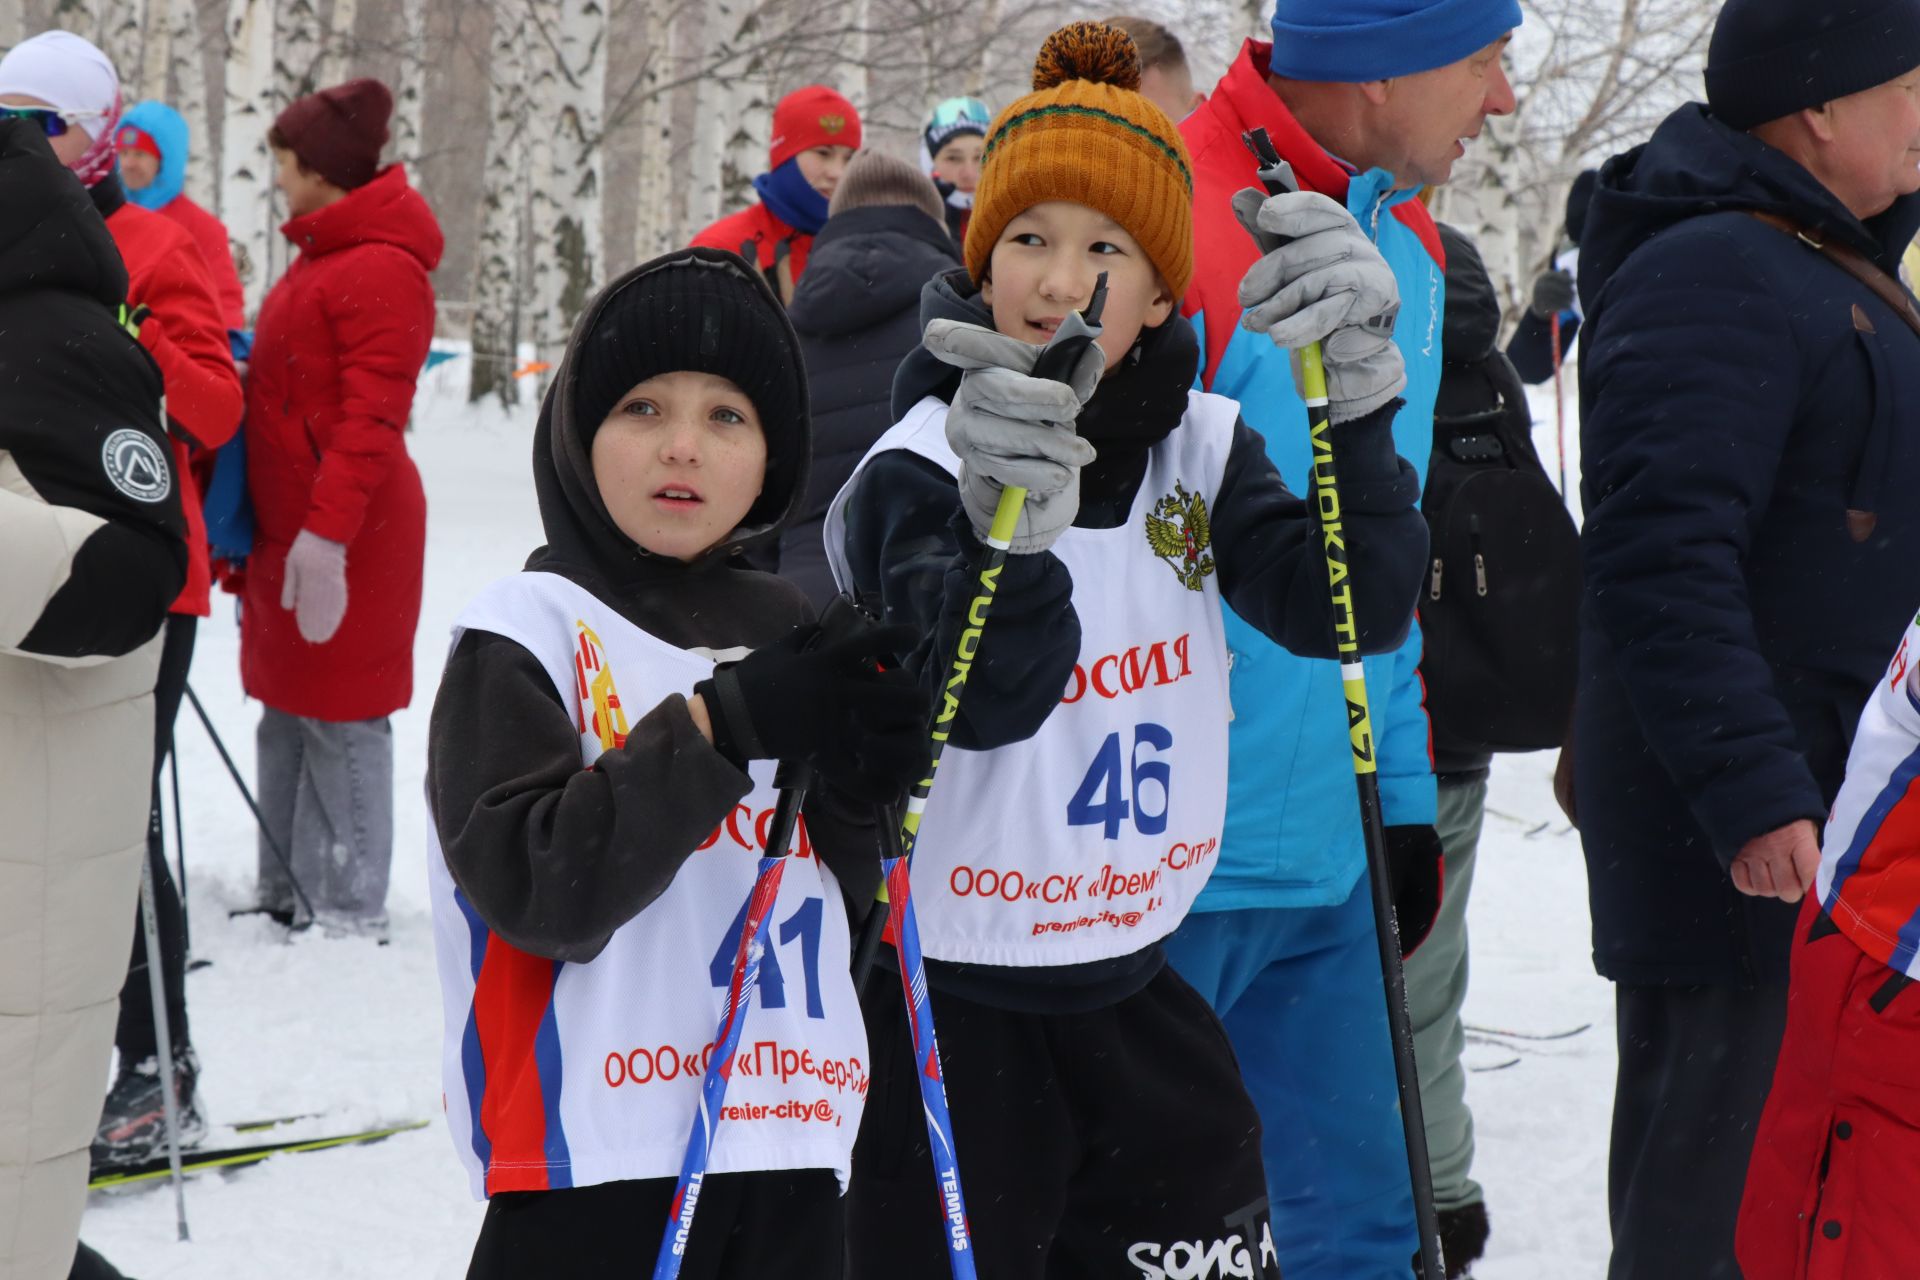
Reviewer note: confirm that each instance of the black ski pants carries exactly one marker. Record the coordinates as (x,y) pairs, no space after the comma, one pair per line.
(748,1226)
(135,1035)
(1106,1144)
(1695,1067)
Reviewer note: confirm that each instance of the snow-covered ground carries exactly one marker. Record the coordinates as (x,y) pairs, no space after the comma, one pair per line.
(351,1030)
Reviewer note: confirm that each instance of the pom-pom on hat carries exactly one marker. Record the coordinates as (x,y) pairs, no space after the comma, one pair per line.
(1087,136)
(815,116)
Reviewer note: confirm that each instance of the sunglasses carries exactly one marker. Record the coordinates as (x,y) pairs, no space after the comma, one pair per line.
(52,123)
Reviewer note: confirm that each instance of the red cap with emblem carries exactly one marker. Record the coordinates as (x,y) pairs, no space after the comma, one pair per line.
(815,116)
(131,139)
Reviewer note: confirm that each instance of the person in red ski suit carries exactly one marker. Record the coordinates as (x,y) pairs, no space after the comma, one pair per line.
(815,132)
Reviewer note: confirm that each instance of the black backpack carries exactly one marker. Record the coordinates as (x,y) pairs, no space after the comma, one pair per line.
(1502,594)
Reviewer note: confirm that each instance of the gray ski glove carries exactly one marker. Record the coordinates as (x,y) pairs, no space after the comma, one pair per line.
(1553,293)
(1321,280)
(1012,429)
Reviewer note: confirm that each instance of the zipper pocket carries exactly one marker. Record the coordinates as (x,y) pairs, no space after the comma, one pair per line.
(1433,592)
(1479,560)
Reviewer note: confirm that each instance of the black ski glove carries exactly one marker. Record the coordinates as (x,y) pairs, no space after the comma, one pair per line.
(845,834)
(823,701)
(1553,293)
(1417,861)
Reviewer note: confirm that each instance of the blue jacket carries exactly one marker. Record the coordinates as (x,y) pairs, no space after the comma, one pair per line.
(1293,819)
(1752,543)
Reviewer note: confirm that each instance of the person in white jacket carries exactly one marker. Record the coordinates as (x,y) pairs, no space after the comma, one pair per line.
(92,552)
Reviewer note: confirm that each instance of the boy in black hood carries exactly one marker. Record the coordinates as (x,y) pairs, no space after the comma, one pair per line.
(594,871)
(1098,1111)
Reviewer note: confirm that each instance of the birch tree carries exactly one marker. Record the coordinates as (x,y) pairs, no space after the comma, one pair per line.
(1591,78)
(184,82)
(496,294)
(246,169)
(568,43)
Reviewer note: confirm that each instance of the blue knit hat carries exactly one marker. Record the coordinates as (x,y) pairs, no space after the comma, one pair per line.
(1358,40)
(1771,58)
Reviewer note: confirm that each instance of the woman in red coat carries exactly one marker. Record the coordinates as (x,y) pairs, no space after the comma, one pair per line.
(333,584)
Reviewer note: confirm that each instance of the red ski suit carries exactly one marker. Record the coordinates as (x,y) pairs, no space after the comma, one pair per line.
(210,234)
(188,340)
(338,348)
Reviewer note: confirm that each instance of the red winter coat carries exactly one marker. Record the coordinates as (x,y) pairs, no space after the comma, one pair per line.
(211,235)
(758,236)
(188,340)
(337,349)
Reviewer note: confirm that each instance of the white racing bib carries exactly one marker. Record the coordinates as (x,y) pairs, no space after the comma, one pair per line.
(564,1075)
(1091,839)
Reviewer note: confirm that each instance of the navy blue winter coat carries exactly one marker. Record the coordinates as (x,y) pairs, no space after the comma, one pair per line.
(1740,394)
(857,311)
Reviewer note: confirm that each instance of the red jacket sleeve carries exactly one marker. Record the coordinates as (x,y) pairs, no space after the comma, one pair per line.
(382,326)
(188,340)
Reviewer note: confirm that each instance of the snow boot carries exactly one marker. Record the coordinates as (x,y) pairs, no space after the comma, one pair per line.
(1463,1237)
(133,1125)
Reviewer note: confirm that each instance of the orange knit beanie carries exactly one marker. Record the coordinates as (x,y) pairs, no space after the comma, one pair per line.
(1086,135)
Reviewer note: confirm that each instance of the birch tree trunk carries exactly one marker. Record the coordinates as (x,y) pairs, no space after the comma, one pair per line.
(655,228)
(335,63)
(185,85)
(410,95)
(706,192)
(569,103)
(496,309)
(119,28)
(246,168)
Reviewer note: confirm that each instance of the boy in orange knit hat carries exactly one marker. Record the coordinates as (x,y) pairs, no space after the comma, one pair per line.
(1099,1118)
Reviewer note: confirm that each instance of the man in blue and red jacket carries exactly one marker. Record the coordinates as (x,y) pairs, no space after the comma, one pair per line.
(1368,104)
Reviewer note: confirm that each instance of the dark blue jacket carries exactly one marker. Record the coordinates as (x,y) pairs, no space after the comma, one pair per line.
(1740,395)
(857,311)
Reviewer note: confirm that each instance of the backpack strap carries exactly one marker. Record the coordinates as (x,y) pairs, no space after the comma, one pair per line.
(1853,262)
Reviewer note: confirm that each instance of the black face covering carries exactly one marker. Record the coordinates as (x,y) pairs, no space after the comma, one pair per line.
(1136,408)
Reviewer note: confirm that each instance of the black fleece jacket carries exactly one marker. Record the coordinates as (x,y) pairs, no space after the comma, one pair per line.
(554,857)
(80,416)
(909,544)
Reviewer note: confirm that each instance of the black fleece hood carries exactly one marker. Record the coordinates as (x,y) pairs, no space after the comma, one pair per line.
(581,533)
(50,236)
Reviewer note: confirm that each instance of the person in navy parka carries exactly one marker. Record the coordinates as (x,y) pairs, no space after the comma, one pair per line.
(1752,554)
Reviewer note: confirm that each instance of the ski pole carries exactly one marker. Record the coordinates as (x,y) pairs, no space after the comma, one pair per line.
(792,782)
(163,1033)
(1278,177)
(792,779)
(180,849)
(1559,407)
(280,855)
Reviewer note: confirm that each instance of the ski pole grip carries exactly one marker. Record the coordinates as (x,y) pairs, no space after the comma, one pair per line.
(1076,333)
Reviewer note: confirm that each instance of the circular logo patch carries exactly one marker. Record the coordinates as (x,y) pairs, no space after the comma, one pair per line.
(136,465)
